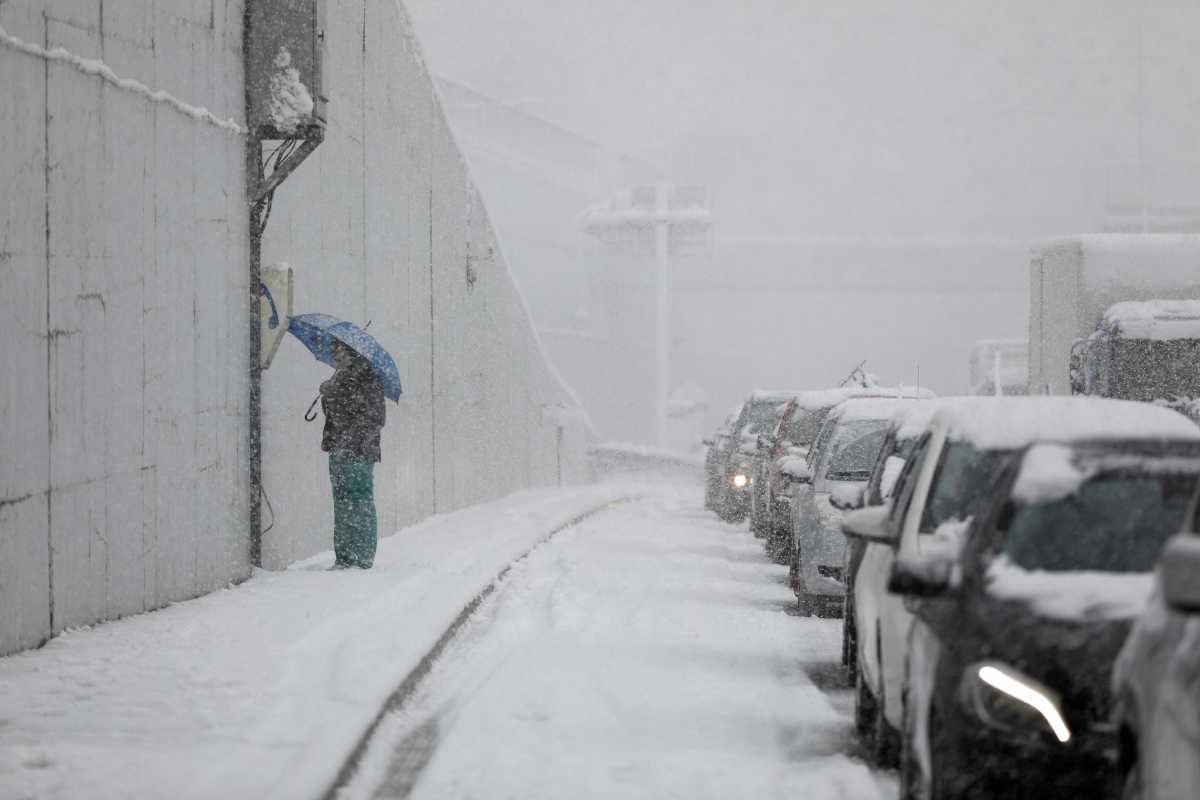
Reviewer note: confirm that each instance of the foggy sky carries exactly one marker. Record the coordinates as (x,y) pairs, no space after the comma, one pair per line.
(1016,118)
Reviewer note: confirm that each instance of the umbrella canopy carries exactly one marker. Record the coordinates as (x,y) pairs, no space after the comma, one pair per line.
(319,331)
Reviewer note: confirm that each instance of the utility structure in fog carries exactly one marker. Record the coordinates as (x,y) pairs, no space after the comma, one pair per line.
(659,224)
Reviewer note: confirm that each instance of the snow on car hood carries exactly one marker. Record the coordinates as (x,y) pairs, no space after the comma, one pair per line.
(1071,596)
(1049,473)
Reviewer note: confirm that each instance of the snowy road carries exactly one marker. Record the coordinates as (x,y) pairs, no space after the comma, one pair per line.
(648,652)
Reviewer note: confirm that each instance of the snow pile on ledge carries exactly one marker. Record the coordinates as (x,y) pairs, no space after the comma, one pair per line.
(1072,596)
(291,103)
(261,690)
(1158,320)
(1048,473)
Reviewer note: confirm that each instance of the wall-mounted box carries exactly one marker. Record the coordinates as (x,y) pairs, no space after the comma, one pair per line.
(285,80)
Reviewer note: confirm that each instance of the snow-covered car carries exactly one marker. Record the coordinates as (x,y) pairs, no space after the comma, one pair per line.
(757,416)
(713,475)
(789,445)
(1020,613)
(1156,683)
(839,467)
(908,425)
(948,476)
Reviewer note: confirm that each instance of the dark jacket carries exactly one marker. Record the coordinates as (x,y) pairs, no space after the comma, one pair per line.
(352,401)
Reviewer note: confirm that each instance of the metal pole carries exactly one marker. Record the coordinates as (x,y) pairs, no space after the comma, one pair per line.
(662,254)
(254,179)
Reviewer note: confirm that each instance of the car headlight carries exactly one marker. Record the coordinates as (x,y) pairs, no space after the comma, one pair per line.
(1008,700)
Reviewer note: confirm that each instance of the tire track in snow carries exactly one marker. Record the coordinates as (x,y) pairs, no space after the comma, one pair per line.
(572,653)
(425,738)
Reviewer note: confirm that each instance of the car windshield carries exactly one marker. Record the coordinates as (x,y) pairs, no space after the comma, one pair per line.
(1113,523)
(762,416)
(854,449)
(960,483)
(805,424)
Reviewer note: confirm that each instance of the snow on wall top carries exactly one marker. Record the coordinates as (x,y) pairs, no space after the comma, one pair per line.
(1009,423)
(1155,319)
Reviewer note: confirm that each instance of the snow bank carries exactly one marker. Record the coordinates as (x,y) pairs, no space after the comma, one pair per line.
(1009,423)
(261,690)
(1072,596)
(1048,473)
(1158,320)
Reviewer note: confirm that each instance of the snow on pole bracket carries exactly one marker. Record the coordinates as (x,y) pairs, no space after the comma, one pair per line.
(90,66)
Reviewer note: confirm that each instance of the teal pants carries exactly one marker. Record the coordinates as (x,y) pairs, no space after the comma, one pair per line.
(355,528)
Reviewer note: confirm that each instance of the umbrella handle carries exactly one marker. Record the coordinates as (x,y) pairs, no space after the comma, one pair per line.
(310,415)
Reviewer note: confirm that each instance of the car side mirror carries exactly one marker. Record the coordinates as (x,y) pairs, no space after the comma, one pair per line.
(921,577)
(1181,573)
(870,524)
(796,471)
(847,497)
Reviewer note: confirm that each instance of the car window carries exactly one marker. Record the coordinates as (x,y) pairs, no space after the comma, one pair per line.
(1114,523)
(805,425)
(960,483)
(821,442)
(906,484)
(854,449)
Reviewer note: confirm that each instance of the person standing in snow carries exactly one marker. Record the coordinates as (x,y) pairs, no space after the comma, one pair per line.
(352,401)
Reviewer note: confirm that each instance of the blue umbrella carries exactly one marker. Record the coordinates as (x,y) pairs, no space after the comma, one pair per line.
(317,332)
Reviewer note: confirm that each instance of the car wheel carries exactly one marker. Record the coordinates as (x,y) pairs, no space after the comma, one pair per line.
(849,639)
(864,712)
(1131,774)
(909,781)
(884,738)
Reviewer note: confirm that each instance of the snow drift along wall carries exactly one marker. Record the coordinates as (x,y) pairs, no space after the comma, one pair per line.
(383,224)
(123,313)
(124,308)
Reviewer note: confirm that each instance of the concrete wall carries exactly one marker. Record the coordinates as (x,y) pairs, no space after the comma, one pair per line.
(123,316)
(124,311)
(384,224)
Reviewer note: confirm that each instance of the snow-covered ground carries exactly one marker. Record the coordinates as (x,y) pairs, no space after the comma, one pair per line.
(261,690)
(647,652)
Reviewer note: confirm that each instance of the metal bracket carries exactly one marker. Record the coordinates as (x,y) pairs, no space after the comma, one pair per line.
(286,168)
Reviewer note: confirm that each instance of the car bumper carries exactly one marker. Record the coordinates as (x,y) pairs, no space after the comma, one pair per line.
(1035,766)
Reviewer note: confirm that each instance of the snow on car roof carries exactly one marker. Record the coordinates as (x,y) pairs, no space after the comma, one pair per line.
(824,398)
(1155,319)
(771,396)
(865,408)
(1002,423)
(913,419)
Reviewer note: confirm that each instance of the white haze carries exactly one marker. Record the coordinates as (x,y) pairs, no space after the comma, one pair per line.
(842,123)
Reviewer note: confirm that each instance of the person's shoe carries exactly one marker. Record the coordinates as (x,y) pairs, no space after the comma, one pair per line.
(337,565)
